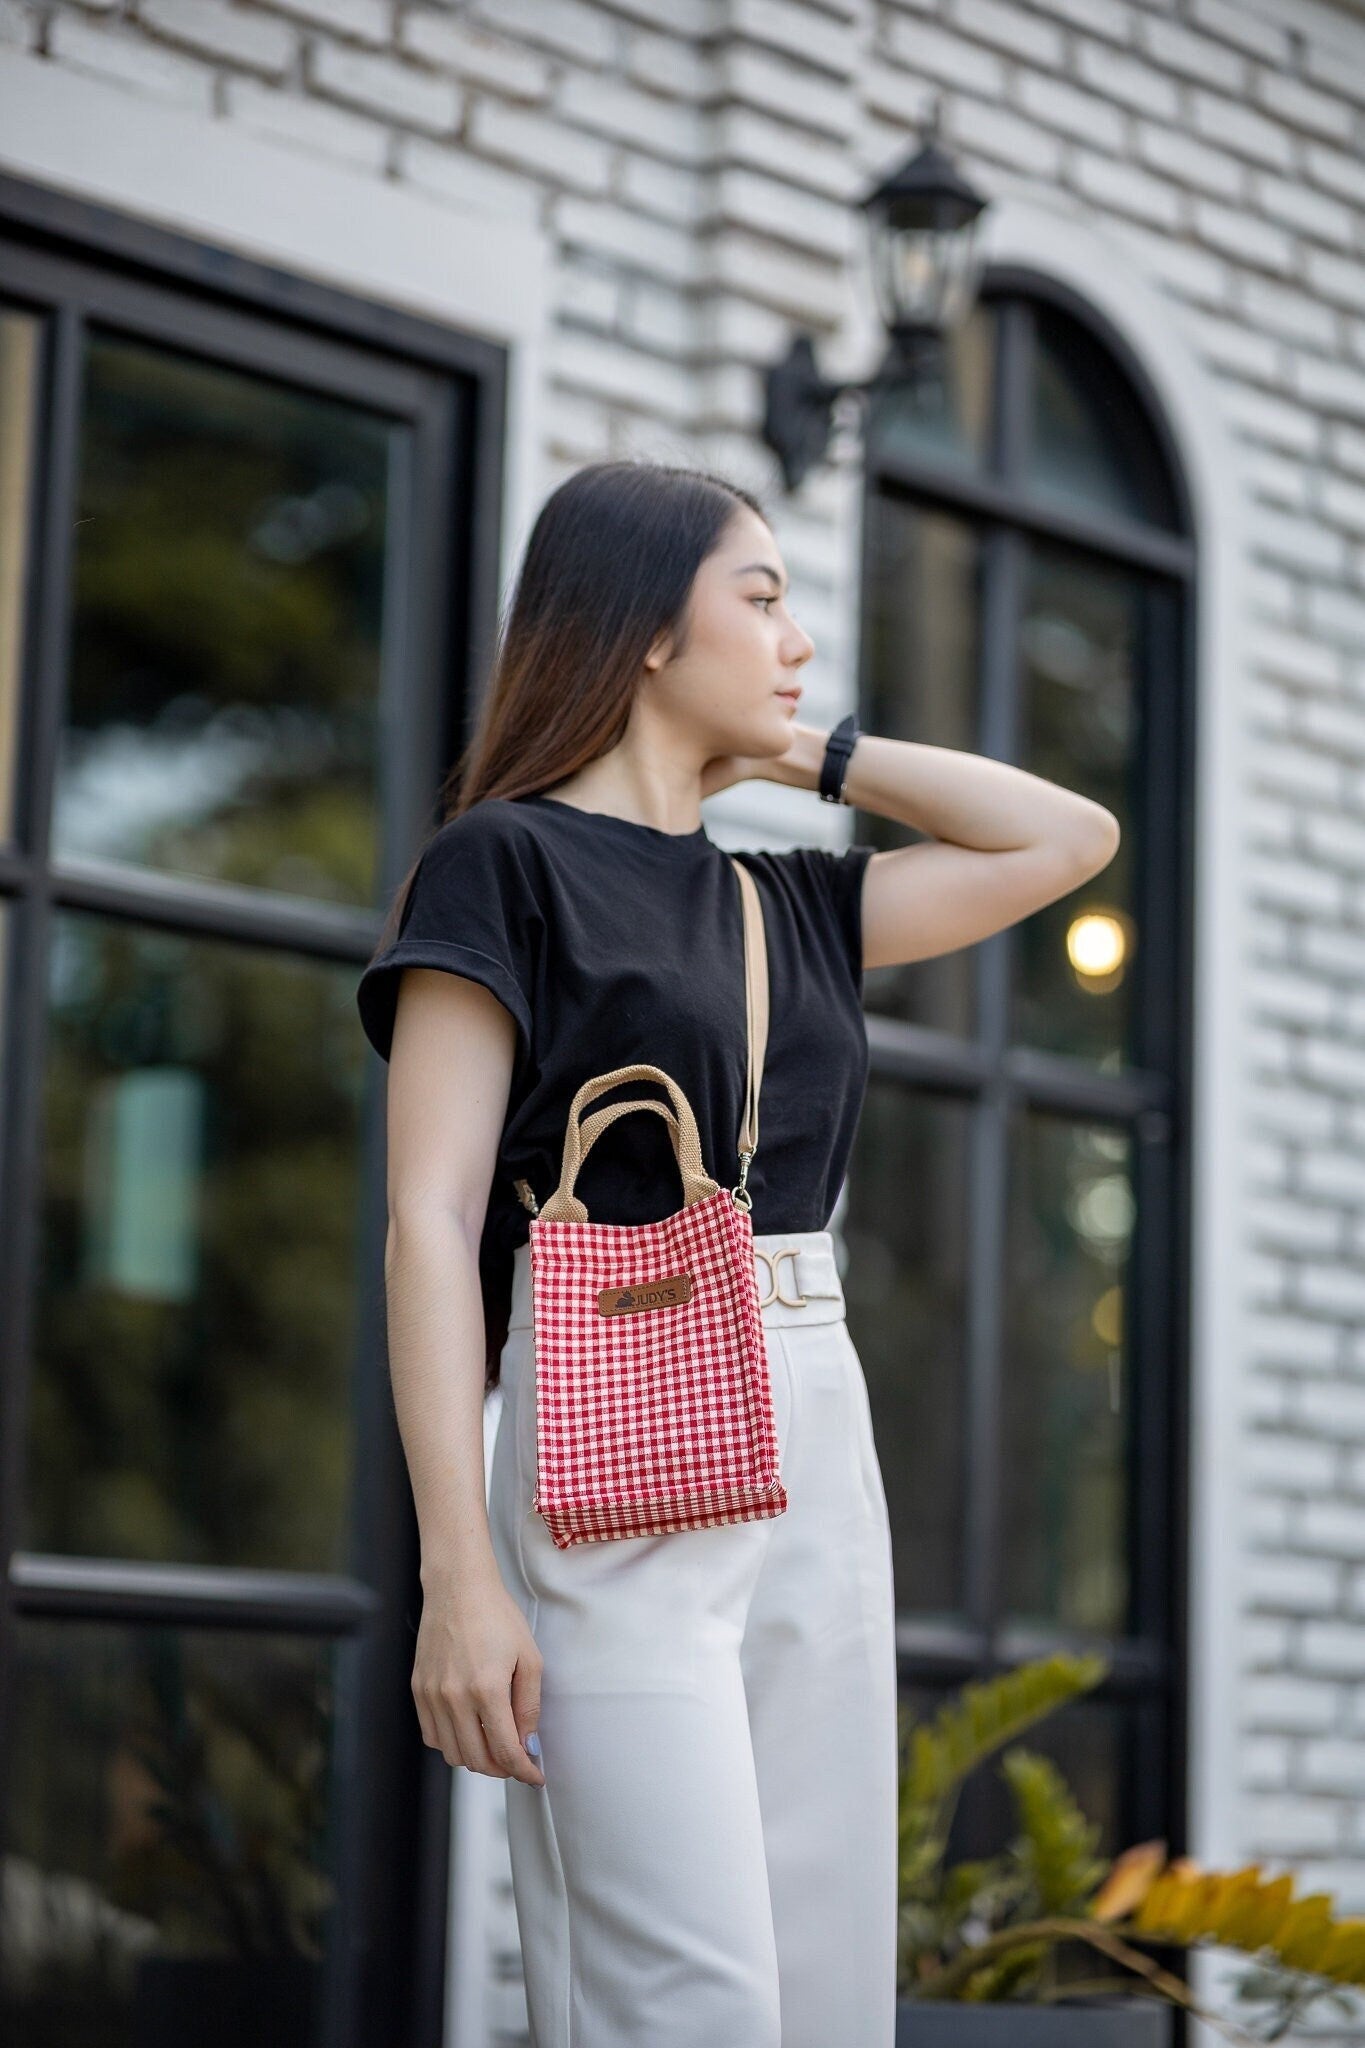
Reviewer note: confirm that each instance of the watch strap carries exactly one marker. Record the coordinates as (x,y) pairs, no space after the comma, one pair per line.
(834,767)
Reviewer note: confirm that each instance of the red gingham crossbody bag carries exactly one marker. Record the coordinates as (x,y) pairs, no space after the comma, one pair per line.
(654,1406)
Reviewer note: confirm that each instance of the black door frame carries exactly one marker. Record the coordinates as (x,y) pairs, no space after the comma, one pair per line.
(71,261)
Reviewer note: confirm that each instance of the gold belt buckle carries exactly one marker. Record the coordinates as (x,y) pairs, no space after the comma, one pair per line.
(771,1260)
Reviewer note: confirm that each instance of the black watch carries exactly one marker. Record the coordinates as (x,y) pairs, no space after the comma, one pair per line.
(834,767)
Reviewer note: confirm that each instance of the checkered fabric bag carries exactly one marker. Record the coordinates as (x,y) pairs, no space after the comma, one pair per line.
(654,1407)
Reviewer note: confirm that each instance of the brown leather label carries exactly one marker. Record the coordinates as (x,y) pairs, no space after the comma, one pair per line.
(629,1301)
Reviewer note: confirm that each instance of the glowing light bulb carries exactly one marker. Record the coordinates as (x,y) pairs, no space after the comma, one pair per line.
(1096,946)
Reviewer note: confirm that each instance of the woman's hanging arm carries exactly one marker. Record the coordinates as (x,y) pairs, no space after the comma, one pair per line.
(476,1680)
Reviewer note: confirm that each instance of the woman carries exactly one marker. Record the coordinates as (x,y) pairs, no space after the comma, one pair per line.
(704,1845)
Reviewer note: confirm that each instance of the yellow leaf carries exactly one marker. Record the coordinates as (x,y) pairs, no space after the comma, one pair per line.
(1175,1906)
(1251,1908)
(1269,1911)
(1344,1955)
(1306,1931)
(1129,1880)
(1233,1903)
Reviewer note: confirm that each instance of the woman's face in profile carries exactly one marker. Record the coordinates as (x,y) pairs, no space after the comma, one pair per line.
(738,677)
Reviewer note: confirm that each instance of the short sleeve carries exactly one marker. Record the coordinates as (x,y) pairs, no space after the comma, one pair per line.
(833,882)
(470,910)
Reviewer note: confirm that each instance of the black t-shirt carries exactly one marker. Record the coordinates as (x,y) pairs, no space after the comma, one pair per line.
(612,942)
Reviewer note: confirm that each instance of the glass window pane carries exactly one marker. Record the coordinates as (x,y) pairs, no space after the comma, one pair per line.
(225,655)
(1092,448)
(19,340)
(1065,1394)
(905,1225)
(944,416)
(921,626)
(1076,959)
(170,1849)
(196,1312)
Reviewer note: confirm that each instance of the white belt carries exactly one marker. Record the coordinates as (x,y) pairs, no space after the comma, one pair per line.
(796,1280)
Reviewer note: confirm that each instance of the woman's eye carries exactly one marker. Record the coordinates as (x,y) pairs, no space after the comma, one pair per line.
(769,599)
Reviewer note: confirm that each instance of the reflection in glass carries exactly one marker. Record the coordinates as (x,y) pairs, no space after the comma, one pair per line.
(942,416)
(1066,1399)
(225,654)
(19,337)
(169,1852)
(921,625)
(1092,446)
(196,1295)
(1077,959)
(905,1225)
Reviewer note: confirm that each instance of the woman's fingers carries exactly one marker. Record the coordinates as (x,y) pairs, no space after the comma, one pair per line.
(498,1726)
(526,1709)
(473,1740)
(476,1687)
(437,1726)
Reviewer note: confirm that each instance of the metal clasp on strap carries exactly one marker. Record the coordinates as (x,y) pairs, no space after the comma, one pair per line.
(772,1260)
(743,1199)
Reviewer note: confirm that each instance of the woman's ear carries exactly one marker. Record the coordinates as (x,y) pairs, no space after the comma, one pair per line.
(661,652)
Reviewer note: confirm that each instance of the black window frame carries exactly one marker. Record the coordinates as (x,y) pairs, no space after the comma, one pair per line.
(69,261)
(1150,1665)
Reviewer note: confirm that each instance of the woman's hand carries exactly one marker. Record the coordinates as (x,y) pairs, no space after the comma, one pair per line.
(798,766)
(476,1679)
(722,771)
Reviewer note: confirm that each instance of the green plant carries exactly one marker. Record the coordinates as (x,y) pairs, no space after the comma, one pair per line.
(996,1928)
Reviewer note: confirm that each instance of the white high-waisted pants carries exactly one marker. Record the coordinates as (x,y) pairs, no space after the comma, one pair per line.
(711,1862)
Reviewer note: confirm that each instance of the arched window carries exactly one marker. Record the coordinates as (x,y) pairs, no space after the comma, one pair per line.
(1015,1207)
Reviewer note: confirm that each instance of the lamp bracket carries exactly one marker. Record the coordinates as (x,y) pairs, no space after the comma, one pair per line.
(798,403)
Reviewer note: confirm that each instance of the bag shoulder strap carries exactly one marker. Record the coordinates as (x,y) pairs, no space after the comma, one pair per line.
(755,1004)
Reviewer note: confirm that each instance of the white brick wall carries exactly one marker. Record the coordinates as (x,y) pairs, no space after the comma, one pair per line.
(693,162)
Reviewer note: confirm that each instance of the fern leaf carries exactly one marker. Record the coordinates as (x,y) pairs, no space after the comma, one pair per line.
(969,1881)
(1058,1842)
(1016,1972)
(988,1713)
(940,1753)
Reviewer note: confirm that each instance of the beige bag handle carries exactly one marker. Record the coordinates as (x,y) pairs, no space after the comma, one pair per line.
(564,1205)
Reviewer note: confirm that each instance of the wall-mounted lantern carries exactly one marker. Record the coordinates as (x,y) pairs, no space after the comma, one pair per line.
(922,228)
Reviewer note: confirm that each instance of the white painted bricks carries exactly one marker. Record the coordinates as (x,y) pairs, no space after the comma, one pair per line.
(693,165)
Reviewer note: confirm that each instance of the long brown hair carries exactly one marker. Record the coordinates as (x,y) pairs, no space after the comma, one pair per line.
(608,568)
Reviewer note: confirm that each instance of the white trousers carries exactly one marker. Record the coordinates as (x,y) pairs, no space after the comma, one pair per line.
(712,1860)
